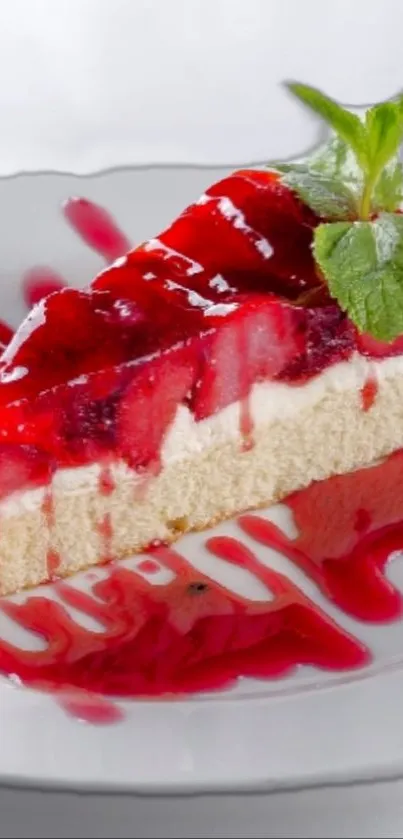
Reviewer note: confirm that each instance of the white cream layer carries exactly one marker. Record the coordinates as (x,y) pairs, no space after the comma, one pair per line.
(269,401)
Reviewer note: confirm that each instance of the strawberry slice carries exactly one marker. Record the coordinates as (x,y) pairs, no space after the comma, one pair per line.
(136,274)
(54,343)
(77,332)
(161,280)
(259,340)
(327,336)
(149,404)
(156,261)
(155,283)
(245,223)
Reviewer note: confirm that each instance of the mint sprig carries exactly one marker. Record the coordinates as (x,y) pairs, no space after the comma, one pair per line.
(363,265)
(355,184)
(372,141)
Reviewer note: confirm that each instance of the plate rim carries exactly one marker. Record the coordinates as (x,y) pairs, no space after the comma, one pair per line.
(366,758)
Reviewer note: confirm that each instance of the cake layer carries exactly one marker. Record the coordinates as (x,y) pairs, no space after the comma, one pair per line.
(347,417)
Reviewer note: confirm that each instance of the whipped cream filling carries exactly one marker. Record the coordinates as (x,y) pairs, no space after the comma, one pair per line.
(270,401)
(187,438)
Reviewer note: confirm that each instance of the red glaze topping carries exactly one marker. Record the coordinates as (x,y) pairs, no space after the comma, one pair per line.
(228,295)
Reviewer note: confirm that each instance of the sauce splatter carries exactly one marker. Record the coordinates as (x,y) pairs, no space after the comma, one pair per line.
(90,708)
(96,227)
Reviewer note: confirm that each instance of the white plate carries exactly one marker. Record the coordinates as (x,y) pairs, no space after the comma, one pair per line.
(310,728)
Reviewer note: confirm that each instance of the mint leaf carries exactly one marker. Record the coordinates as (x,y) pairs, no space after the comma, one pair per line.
(328,197)
(384,127)
(335,159)
(384,130)
(388,191)
(347,125)
(329,182)
(357,175)
(362,262)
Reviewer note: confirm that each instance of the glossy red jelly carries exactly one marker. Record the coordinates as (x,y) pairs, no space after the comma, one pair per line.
(226,296)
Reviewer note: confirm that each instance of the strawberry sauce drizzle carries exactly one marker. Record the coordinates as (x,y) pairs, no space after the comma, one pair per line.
(348,527)
(53,563)
(188,635)
(48,508)
(246,425)
(369,393)
(53,557)
(106,483)
(106,533)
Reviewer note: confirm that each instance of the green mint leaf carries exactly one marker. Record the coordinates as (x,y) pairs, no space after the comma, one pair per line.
(384,129)
(329,181)
(347,125)
(335,159)
(328,197)
(388,191)
(384,132)
(362,262)
(331,158)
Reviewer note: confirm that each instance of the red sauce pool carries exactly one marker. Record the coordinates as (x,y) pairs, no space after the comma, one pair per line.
(194,634)
(348,527)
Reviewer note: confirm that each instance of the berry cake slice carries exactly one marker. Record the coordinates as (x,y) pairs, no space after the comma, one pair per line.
(252,348)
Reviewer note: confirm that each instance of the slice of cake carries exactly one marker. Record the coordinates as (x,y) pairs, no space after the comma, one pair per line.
(251,348)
